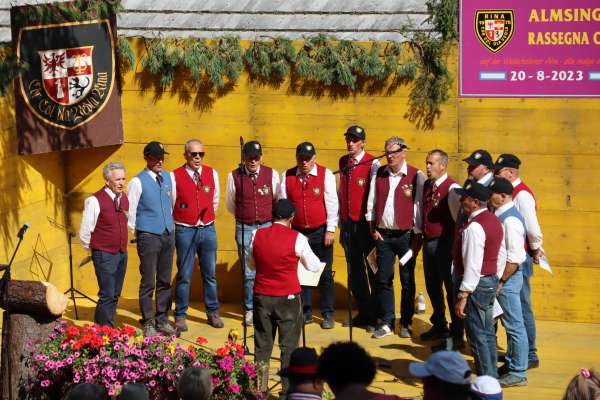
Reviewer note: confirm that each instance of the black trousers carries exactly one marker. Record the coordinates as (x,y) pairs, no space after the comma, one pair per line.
(272,314)
(156,264)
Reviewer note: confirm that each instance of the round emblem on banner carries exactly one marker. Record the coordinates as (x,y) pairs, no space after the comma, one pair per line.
(361,182)
(316,191)
(206,189)
(407,189)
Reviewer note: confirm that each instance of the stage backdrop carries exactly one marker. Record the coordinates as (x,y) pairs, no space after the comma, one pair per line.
(67,98)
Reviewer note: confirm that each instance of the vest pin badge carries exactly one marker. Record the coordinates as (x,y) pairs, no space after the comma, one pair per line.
(407,189)
(264,191)
(316,191)
(206,189)
(361,182)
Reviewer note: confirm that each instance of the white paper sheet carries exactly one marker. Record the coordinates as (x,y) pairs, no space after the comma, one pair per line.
(497,309)
(372,260)
(406,257)
(544,264)
(309,278)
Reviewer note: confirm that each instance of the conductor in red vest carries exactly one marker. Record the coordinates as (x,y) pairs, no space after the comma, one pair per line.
(196,198)
(355,235)
(274,253)
(250,195)
(394,213)
(103,230)
(507,166)
(311,189)
(476,250)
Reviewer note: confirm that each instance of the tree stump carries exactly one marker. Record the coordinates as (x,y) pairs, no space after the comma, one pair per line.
(32,311)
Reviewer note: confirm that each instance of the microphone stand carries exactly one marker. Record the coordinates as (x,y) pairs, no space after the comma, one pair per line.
(345,172)
(242,172)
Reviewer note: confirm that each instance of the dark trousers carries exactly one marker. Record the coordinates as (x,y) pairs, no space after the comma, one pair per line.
(357,243)
(156,264)
(110,272)
(437,265)
(325,254)
(392,245)
(272,314)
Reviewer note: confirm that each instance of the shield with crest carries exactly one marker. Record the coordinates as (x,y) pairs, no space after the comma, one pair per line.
(494,28)
(67,74)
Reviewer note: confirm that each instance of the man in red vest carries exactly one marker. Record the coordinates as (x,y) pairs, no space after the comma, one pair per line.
(274,253)
(196,198)
(394,214)
(439,211)
(507,166)
(103,230)
(476,250)
(311,189)
(355,235)
(250,195)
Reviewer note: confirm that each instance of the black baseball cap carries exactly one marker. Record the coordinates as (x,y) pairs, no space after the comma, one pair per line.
(303,362)
(357,132)
(154,149)
(507,161)
(475,190)
(501,185)
(479,157)
(252,149)
(283,209)
(305,149)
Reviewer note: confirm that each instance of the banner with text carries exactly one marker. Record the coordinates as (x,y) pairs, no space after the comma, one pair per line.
(534,48)
(67,98)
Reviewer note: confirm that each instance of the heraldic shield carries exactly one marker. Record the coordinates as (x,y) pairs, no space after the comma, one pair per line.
(71,70)
(494,28)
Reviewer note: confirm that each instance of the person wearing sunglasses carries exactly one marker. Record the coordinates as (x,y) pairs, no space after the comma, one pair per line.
(195,198)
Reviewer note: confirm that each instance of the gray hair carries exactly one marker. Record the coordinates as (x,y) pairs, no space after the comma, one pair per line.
(442,154)
(396,140)
(186,145)
(111,166)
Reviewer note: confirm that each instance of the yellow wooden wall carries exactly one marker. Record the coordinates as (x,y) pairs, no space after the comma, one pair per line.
(554,138)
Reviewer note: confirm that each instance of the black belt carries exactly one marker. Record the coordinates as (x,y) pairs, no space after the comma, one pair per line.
(391,232)
(308,231)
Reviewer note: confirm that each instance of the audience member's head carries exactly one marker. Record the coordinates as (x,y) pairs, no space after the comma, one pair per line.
(302,372)
(446,375)
(88,391)
(134,391)
(486,388)
(584,386)
(195,383)
(346,363)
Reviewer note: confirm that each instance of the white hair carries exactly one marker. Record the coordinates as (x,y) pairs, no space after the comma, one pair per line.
(111,166)
(186,145)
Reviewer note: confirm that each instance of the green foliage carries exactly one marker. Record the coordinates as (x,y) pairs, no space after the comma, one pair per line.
(270,60)
(10,68)
(444,18)
(80,10)
(125,55)
(162,59)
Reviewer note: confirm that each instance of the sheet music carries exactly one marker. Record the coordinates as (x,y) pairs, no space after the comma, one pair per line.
(309,278)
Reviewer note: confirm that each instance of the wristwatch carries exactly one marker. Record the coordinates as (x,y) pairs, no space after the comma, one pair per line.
(463,295)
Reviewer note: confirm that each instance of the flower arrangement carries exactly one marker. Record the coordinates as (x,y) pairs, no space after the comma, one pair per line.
(112,357)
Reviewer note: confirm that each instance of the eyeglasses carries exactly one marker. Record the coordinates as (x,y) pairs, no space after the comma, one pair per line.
(196,153)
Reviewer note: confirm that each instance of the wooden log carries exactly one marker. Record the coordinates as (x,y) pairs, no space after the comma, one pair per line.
(17,331)
(34,298)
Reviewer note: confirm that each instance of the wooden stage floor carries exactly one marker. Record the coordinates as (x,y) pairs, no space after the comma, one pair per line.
(563,348)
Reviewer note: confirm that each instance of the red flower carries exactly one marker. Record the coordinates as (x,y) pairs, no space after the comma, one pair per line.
(201,340)
(222,351)
(128,330)
(72,332)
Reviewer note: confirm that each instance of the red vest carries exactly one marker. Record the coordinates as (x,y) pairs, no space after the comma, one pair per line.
(257,204)
(358,191)
(517,189)
(493,239)
(403,200)
(110,232)
(308,197)
(194,202)
(276,266)
(437,220)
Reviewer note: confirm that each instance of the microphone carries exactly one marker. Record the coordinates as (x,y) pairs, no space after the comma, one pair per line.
(241,141)
(23,230)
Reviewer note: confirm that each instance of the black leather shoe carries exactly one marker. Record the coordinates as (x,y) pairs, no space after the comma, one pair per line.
(328,322)
(308,319)
(435,333)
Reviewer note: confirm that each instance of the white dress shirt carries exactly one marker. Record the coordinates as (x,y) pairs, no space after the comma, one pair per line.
(374,167)
(230,191)
(91,211)
(388,220)
(525,203)
(453,197)
(190,172)
(331,198)
(303,251)
(513,250)
(485,180)
(473,245)
(134,192)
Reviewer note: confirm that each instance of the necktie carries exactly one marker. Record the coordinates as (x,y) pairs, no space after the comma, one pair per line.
(253,177)
(117,204)
(197,179)
(159,179)
(305,181)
